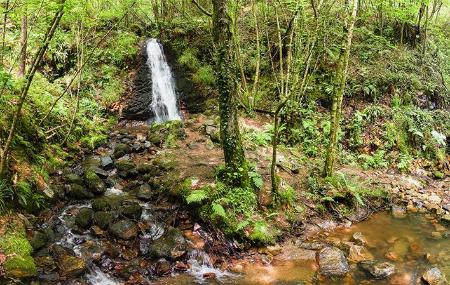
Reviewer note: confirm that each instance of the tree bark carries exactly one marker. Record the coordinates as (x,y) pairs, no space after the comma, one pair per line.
(340,80)
(5,18)
(235,161)
(29,79)
(23,43)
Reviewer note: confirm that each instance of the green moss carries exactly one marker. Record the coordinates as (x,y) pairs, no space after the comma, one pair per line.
(93,141)
(20,267)
(13,243)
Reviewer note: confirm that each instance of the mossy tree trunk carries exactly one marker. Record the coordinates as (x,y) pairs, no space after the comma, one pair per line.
(233,150)
(340,80)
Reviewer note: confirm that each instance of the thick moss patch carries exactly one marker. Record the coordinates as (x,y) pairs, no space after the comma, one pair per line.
(14,244)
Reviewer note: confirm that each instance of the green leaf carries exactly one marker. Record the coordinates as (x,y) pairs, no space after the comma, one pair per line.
(218,210)
(196,196)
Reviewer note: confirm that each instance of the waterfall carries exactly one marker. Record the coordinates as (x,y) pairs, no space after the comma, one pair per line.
(164,98)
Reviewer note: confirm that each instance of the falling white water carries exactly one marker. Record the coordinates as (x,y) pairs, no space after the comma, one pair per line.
(164,98)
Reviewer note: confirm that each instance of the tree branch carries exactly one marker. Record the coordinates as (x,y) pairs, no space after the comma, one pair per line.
(206,12)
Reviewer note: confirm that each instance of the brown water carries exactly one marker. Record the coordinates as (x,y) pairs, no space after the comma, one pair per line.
(413,244)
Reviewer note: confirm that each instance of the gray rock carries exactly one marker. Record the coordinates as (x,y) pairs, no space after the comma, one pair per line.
(378,270)
(172,245)
(124,229)
(434,276)
(144,192)
(107,162)
(332,262)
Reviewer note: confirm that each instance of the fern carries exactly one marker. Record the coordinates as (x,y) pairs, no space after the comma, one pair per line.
(196,196)
(218,210)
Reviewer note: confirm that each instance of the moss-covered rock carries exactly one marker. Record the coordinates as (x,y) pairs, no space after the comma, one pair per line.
(172,245)
(120,150)
(71,266)
(84,217)
(78,192)
(147,168)
(126,169)
(39,240)
(94,183)
(107,203)
(124,229)
(20,267)
(74,178)
(19,263)
(103,219)
(132,211)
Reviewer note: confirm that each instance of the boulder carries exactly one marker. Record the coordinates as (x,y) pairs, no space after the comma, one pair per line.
(126,169)
(172,245)
(84,217)
(20,267)
(94,183)
(106,162)
(434,276)
(378,270)
(107,203)
(163,267)
(39,240)
(332,262)
(103,219)
(358,253)
(120,150)
(78,192)
(144,192)
(132,211)
(359,238)
(124,229)
(74,178)
(71,266)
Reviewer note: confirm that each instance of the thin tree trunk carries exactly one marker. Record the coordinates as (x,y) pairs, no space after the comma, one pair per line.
(340,80)
(29,79)
(228,104)
(5,18)
(23,43)
(258,57)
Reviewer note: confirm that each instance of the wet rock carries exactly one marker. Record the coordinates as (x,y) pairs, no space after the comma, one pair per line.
(398,212)
(144,192)
(332,262)
(100,172)
(84,217)
(124,229)
(120,150)
(94,183)
(359,238)
(78,192)
(107,203)
(50,278)
(436,235)
(126,169)
(73,178)
(434,276)
(398,250)
(132,211)
(39,240)
(163,267)
(378,270)
(172,245)
(107,162)
(71,266)
(359,253)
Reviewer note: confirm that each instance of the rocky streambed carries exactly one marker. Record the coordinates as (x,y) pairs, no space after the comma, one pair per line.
(118,224)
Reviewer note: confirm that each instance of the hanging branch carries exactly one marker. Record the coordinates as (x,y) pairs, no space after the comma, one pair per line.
(91,54)
(30,75)
(204,11)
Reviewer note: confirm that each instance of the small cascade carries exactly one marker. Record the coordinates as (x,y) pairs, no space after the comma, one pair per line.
(164,98)
(201,265)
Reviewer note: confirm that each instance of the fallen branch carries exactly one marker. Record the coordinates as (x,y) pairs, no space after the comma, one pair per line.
(206,12)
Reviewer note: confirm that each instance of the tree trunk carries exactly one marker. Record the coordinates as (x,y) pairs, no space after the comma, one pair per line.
(23,43)
(340,80)
(228,104)
(29,79)
(5,18)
